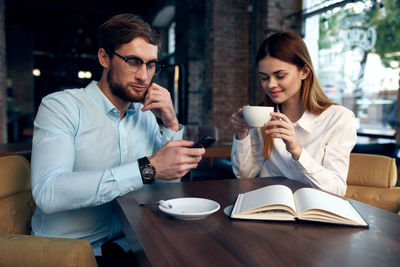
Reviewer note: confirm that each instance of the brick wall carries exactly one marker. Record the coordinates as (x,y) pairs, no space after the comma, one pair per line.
(227,60)
(278,16)
(234,29)
(3,78)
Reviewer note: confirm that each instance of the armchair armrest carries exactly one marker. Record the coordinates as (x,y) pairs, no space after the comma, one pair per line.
(384,198)
(26,250)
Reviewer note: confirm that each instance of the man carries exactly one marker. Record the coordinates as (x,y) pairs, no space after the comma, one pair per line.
(94,144)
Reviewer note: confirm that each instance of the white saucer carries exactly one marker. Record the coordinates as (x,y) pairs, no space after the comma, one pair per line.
(228,210)
(190,208)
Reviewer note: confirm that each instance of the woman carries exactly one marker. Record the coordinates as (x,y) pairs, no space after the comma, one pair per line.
(309,138)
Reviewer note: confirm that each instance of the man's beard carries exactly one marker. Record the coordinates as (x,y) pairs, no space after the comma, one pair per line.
(122,91)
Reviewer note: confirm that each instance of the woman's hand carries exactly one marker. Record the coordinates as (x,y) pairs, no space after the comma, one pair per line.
(282,127)
(240,124)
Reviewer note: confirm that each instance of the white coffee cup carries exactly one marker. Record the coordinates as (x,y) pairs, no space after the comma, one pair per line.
(257,116)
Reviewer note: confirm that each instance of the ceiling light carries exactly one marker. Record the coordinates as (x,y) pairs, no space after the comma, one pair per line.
(36,72)
(84,74)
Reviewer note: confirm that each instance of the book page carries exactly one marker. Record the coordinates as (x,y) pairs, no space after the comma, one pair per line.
(311,202)
(265,196)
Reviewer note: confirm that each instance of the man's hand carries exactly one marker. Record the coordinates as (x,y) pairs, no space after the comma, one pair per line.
(159,101)
(175,159)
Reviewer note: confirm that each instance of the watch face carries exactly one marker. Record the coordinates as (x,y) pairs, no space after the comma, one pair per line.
(148,172)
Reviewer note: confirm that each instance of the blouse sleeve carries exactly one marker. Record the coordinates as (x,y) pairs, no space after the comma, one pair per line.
(246,156)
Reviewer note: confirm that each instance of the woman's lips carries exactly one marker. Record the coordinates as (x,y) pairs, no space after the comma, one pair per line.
(274,93)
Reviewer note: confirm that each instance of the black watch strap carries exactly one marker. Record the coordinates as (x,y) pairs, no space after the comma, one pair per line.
(147,171)
(144,161)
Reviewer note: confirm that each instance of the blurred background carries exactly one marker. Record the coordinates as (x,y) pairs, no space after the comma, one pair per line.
(209,47)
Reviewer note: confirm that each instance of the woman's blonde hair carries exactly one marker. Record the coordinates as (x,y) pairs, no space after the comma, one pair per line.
(290,47)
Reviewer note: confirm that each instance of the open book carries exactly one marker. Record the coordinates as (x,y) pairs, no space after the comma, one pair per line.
(278,202)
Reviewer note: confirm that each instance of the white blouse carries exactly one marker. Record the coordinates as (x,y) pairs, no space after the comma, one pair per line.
(326,140)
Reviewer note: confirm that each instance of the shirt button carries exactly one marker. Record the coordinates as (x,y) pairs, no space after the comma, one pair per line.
(131,188)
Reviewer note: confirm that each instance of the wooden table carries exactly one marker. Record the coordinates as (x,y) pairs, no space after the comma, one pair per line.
(220,241)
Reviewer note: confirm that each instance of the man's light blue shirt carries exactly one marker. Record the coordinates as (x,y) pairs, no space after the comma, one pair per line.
(83,157)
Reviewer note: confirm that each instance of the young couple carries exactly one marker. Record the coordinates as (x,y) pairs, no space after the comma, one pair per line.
(93,144)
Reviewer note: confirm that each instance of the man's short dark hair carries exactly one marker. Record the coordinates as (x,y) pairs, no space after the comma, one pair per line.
(123,28)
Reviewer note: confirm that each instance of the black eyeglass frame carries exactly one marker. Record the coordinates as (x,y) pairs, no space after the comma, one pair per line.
(156,70)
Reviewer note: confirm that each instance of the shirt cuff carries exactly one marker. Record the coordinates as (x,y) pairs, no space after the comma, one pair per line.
(128,177)
(305,161)
(170,135)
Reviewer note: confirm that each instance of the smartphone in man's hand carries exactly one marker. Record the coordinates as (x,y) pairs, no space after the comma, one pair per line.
(205,142)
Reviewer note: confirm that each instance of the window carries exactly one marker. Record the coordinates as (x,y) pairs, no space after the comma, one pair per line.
(171,38)
(355,47)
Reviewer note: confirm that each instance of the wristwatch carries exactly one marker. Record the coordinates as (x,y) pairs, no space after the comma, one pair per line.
(147,171)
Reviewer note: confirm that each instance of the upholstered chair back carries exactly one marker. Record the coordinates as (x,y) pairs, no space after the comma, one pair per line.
(372,179)
(17,247)
(16,203)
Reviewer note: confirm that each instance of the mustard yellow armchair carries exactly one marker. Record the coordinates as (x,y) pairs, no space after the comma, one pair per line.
(372,180)
(17,246)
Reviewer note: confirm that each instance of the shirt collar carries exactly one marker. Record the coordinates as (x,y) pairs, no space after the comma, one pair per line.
(306,121)
(102,101)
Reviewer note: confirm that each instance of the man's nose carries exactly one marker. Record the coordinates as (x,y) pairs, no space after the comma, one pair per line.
(142,73)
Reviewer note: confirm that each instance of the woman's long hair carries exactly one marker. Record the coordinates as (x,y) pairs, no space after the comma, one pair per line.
(290,47)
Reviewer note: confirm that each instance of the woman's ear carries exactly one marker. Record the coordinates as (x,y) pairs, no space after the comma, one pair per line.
(104,58)
(305,71)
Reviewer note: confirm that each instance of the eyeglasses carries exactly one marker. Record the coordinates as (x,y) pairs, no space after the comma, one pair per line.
(133,64)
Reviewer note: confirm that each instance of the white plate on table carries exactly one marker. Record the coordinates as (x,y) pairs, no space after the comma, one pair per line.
(190,208)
